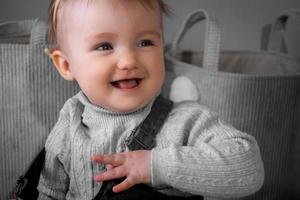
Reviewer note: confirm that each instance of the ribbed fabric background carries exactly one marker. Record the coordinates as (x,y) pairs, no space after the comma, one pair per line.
(31,95)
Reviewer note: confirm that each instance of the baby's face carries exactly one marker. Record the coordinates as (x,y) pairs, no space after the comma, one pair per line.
(115,52)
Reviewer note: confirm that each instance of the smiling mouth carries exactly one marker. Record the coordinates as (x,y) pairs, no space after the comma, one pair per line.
(126,83)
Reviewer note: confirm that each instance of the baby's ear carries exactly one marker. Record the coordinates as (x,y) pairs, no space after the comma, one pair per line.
(62,65)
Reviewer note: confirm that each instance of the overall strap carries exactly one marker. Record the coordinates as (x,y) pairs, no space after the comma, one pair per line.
(143,137)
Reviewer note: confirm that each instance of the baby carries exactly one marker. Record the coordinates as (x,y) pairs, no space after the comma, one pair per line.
(113,49)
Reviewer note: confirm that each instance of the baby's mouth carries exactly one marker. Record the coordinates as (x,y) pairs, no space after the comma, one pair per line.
(126,83)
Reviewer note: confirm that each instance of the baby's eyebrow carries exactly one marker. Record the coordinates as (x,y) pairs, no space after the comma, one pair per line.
(150,32)
(106,35)
(109,35)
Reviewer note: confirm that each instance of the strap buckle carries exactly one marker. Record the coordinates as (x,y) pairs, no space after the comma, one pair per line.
(132,138)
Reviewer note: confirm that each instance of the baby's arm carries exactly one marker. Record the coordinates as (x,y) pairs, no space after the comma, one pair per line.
(200,154)
(54,180)
(196,153)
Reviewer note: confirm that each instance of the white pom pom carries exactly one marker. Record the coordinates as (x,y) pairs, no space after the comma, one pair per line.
(183,89)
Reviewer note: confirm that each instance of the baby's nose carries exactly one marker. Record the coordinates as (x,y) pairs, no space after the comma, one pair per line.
(128,60)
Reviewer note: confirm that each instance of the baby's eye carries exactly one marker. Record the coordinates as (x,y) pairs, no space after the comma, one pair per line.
(105,46)
(145,43)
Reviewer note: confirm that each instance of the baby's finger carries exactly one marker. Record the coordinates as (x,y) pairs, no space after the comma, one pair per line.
(114,159)
(126,184)
(109,167)
(117,172)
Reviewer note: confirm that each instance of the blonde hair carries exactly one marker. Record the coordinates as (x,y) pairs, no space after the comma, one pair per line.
(55,5)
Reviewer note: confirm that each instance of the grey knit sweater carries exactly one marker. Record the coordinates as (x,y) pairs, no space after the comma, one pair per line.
(195,152)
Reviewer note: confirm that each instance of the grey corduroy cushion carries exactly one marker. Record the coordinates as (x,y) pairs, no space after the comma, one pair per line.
(31,95)
(258,92)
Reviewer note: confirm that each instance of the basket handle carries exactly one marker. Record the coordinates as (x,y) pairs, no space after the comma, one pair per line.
(36,29)
(212,38)
(277,41)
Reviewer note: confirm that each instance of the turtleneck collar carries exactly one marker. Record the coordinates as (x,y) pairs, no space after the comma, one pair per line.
(95,116)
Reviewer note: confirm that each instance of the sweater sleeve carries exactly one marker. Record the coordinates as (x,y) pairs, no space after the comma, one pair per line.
(203,155)
(54,179)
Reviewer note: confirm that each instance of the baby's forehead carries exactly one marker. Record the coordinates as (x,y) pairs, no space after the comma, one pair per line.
(58,9)
(147,4)
(67,7)
(93,9)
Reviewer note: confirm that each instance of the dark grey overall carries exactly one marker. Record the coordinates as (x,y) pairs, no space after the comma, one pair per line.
(142,137)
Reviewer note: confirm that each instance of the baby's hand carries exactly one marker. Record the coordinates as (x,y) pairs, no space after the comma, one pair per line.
(134,165)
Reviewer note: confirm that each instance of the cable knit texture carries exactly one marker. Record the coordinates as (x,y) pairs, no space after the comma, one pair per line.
(195,153)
